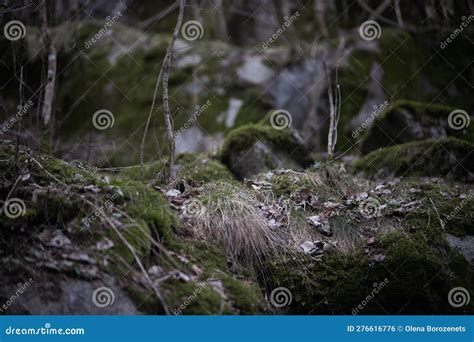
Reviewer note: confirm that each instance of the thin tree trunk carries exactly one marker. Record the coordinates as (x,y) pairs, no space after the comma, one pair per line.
(48,99)
(334,112)
(166,106)
(50,85)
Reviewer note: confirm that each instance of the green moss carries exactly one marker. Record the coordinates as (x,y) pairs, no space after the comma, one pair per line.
(243,292)
(200,168)
(151,207)
(246,297)
(150,171)
(424,112)
(137,236)
(192,298)
(182,298)
(195,167)
(334,280)
(457,214)
(340,282)
(450,157)
(422,249)
(287,184)
(245,137)
(325,184)
(43,169)
(398,124)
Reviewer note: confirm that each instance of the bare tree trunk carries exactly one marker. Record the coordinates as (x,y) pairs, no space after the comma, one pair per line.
(334,113)
(52,67)
(166,106)
(50,85)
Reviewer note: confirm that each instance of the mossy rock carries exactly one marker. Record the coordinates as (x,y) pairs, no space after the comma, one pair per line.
(345,283)
(150,171)
(406,121)
(135,221)
(256,148)
(241,292)
(40,167)
(456,212)
(396,50)
(201,168)
(193,167)
(450,158)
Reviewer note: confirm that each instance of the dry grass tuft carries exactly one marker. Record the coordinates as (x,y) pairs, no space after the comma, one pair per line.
(231,218)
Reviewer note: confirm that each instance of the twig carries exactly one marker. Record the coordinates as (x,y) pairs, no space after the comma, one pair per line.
(47,172)
(13,188)
(437,213)
(147,126)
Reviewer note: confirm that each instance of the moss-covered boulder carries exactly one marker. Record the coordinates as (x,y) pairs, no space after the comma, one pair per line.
(116,74)
(73,237)
(406,121)
(449,157)
(257,148)
(382,234)
(379,277)
(188,166)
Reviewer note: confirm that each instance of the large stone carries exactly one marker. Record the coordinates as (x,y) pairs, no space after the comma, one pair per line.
(407,121)
(253,149)
(450,158)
